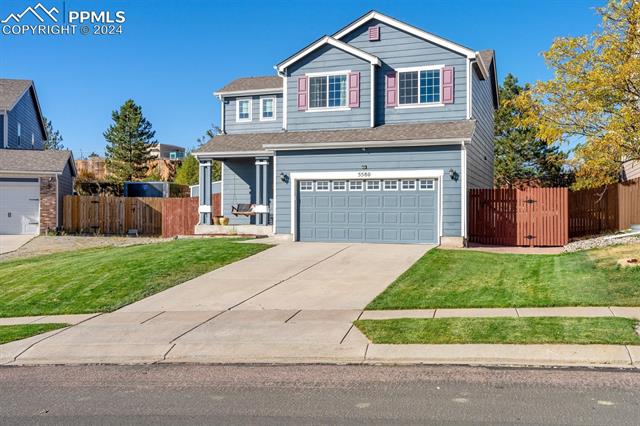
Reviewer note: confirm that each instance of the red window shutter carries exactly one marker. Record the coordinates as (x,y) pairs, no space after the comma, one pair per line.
(374,33)
(302,93)
(447,85)
(391,88)
(354,90)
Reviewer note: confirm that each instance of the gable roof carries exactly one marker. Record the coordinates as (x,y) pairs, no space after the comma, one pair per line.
(11,91)
(384,135)
(271,83)
(35,161)
(323,41)
(485,57)
(469,53)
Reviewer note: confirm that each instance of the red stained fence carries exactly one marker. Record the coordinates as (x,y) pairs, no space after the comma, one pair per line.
(180,215)
(534,217)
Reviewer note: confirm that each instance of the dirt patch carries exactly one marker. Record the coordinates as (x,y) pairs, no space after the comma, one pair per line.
(56,244)
(629,262)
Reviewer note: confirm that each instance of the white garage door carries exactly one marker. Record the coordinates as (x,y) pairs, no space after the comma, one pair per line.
(19,207)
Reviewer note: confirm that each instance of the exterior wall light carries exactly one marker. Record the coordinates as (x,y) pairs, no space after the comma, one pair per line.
(453,174)
(284,177)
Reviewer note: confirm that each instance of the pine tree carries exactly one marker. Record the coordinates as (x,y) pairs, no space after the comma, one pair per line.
(54,138)
(520,156)
(128,141)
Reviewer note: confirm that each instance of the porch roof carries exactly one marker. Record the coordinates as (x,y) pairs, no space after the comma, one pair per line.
(440,132)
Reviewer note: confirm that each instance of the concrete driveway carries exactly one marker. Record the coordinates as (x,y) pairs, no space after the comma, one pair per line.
(9,243)
(294,302)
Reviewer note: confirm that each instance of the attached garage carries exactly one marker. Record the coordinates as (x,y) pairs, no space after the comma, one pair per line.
(386,210)
(19,206)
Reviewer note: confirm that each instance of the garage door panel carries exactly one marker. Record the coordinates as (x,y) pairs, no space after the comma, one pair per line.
(391,216)
(19,207)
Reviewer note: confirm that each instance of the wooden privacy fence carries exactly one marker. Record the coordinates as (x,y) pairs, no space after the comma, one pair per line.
(613,208)
(519,217)
(117,215)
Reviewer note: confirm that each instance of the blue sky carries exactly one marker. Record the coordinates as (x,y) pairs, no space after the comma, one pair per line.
(174,54)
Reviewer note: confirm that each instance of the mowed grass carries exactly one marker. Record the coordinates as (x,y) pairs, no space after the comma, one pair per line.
(472,279)
(614,331)
(105,279)
(9,333)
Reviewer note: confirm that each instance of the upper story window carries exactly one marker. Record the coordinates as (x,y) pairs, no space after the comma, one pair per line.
(267,109)
(243,112)
(19,133)
(33,140)
(419,86)
(328,91)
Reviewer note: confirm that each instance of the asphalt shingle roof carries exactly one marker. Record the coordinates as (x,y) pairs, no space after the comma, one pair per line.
(27,160)
(393,133)
(253,83)
(11,90)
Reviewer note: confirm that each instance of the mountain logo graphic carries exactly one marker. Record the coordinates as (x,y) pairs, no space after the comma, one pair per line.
(34,11)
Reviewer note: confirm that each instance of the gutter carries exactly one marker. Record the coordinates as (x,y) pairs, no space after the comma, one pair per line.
(367,144)
(249,92)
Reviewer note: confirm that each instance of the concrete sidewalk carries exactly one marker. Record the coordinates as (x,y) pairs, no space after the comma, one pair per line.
(71,319)
(587,311)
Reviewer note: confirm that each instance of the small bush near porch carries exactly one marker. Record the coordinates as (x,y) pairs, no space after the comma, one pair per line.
(107,278)
(472,279)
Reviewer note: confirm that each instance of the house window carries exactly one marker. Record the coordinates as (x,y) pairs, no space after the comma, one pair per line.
(390,185)
(419,87)
(427,184)
(267,109)
(19,134)
(244,110)
(328,91)
(33,140)
(408,185)
(339,185)
(322,185)
(306,186)
(355,185)
(373,185)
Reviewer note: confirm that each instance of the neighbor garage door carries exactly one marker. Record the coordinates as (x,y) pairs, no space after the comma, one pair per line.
(19,207)
(378,211)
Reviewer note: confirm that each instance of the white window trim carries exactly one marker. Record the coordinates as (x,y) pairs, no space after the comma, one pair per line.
(353,175)
(327,74)
(333,186)
(306,190)
(244,120)
(389,180)
(361,185)
(262,108)
(423,104)
(323,190)
(366,184)
(415,185)
(433,185)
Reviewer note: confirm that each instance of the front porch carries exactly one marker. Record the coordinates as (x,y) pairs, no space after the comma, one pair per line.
(246,195)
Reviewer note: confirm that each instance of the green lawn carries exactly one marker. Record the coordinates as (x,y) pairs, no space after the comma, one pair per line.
(105,279)
(9,333)
(619,331)
(466,279)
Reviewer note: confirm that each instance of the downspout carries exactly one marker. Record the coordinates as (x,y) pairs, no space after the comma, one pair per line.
(221,99)
(285,91)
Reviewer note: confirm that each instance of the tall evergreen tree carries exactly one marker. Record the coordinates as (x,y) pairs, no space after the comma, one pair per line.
(54,138)
(128,141)
(520,156)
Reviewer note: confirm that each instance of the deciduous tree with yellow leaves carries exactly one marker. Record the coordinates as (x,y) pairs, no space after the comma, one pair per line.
(594,96)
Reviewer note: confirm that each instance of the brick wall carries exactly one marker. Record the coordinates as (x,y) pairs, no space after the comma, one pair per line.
(47,204)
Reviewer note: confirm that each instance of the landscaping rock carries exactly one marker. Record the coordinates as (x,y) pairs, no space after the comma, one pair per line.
(599,242)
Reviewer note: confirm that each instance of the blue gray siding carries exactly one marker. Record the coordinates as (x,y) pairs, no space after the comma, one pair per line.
(328,59)
(406,158)
(239,187)
(480,149)
(255,125)
(397,49)
(1,131)
(65,187)
(25,113)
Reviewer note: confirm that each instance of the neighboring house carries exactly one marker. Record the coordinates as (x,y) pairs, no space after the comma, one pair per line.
(93,166)
(631,170)
(373,134)
(33,182)
(167,152)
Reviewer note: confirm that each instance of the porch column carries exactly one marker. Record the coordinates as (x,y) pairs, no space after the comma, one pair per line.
(204,193)
(258,190)
(265,193)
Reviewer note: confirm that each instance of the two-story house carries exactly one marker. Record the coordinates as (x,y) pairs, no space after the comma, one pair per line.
(33,181)
(372,134)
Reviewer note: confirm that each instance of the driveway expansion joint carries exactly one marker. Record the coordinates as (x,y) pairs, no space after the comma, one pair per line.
(152,317)
(291,317)
(197,325)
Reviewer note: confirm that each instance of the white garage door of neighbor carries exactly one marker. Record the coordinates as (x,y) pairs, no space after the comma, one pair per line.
(19,207)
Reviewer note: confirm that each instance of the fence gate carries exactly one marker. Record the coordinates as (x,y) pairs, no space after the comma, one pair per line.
(519,217)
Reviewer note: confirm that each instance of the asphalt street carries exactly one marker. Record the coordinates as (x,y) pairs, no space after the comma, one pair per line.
(316,394)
